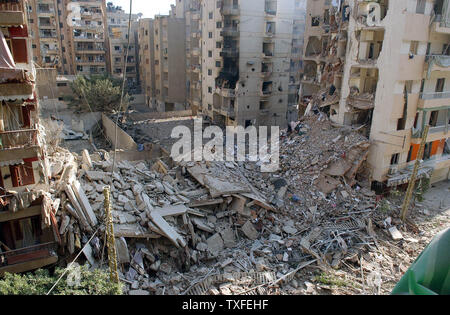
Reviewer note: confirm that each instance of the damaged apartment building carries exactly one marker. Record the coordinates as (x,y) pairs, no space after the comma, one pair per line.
(27,221)
(190,11)
(384,67)
(246,61)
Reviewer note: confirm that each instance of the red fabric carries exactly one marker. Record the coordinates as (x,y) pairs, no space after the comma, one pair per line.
(18,31)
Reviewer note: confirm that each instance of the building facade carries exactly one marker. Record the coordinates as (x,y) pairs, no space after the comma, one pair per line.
(169,63)
(44,24)
(190,11)
(383,66)
(246,58)
(27,220)
(147,59)
(118,22)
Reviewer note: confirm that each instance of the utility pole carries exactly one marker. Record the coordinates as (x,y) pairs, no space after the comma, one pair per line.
(110,240)
(412,182)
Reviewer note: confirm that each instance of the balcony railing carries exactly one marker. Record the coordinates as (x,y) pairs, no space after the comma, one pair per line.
(435,95)
(26,254)
(16,6)
(18,139)
(230,10)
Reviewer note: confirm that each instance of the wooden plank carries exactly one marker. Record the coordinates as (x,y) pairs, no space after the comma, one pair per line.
(21,214)
(84,202)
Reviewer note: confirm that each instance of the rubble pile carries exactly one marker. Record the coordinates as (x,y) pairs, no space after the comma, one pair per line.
(222,227)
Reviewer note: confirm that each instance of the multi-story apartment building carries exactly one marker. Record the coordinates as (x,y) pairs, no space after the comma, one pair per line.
(44,24)
(190,11)
(383,66)
(246,56)
(296,66)
(85,37)
(169,63)
(147,59)
(27,220)
(118,22)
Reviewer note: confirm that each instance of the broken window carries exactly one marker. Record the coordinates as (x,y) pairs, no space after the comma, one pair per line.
(395,159)
(315,21)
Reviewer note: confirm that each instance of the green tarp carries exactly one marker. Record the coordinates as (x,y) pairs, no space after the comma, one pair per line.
(430,273)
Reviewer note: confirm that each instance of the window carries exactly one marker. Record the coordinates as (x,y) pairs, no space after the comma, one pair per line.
(440,85)
(410,154)
(413,47)
(22,175)
(61,84)
(433,118)
(420,8)
(209,90)
(218,64)
(210,15)
(218,45)
(210,35)
(210,53)
(219,25)
(315,21)
(395,158)
(209,72)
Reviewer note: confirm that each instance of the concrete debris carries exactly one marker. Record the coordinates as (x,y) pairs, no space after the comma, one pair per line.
(395,233)
(214,227)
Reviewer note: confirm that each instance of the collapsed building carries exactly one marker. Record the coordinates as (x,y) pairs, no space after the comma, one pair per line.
(28,227)
(382,66)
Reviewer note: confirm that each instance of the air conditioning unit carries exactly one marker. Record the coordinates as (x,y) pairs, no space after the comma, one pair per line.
(393,169)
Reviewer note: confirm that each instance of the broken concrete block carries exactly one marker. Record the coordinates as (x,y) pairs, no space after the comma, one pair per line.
(165,267)
(215,244)
(250,231)
(202,247)
(155,265)
(290,229)
(86,158)
(123,199)
(395,233)
(228,238)
(123,255)
(95,175)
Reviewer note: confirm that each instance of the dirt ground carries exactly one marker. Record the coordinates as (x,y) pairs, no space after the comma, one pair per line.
(378,270)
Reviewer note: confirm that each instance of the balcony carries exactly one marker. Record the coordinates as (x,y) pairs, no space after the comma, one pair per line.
(437,63)
(440,26)
(434,100)
(229,52)
(232,10)
(195,51)
(230,32)
(196,68)
(11,91)
(28,258)
(18,139)
(11,13)
(224,92)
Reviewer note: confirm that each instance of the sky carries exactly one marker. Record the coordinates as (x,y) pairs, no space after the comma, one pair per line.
(147,7)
